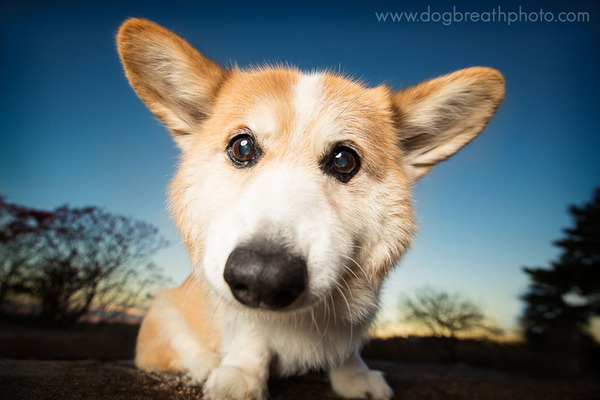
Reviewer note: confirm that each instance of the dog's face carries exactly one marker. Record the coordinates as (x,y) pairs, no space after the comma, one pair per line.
(294,188)
(293,180)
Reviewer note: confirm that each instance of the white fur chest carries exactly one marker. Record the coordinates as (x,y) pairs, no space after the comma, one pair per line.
(298,343)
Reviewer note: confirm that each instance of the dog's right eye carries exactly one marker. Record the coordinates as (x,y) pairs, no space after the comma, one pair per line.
(242,150)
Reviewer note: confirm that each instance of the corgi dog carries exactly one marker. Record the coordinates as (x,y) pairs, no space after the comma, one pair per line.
(293,198)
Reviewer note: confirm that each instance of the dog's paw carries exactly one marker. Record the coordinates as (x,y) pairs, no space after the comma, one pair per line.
(362,385)
(201,367)
(232,383)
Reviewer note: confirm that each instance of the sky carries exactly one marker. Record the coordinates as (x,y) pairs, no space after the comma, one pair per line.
(73,132)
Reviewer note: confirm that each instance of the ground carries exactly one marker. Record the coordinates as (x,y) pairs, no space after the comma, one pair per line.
(37,379)
(94,362)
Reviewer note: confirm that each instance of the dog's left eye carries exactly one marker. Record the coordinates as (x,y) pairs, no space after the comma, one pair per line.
(343,163)
(242,150)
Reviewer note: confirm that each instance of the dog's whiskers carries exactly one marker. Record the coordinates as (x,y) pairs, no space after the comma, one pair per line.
(340,289)
(349,312)
(347,268)
(334,313)
(327,320)
(315,324)
(360,268)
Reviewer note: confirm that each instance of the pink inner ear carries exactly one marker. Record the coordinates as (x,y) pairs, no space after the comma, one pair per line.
(175,81)
(440,116)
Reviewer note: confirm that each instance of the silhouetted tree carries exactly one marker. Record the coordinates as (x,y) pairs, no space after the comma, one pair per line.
(561,299)
(71,259)
(19,243)
(443,314)
(130,288)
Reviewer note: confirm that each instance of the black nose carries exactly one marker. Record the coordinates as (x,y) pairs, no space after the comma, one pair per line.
(265,276)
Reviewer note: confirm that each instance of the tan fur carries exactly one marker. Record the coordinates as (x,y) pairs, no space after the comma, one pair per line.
(153,351)
(149,50)
(297,119)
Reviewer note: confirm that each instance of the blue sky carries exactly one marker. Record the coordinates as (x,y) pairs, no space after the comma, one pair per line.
(74,132)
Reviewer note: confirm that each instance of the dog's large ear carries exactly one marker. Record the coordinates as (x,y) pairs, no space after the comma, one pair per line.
(438,117)
(175,81)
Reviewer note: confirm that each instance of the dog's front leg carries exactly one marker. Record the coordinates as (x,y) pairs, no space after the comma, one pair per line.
(355,380)
(243,372)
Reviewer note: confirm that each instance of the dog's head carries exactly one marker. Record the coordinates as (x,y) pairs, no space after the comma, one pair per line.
(295,187)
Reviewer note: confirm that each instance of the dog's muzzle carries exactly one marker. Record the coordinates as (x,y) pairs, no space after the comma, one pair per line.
(264,275)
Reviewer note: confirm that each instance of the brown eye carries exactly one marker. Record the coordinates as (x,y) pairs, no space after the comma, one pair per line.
(342,163)
(242,150)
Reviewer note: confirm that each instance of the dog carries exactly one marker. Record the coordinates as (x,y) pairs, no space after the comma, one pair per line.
(293,198)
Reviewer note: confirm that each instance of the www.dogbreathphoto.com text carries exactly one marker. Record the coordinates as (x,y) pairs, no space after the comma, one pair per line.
(492,15)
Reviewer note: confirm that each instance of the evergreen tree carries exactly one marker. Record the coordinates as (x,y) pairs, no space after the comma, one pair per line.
(561,299)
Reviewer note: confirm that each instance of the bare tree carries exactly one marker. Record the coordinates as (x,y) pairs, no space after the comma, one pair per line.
(19,243)
(443,314)
(129,289)
(72,260)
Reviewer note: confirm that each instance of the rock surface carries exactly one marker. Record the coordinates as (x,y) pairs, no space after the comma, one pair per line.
(35,379)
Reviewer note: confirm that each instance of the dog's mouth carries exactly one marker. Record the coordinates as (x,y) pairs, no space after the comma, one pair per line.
(267,276)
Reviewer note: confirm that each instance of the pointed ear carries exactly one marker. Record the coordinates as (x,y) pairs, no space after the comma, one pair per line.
(438,117)
(175,81)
